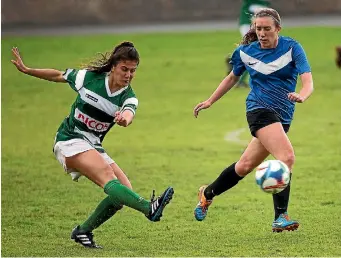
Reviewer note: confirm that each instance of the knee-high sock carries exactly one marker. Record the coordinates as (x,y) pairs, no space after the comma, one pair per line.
(104,211)
(281,200)
(122,195)
(226,180)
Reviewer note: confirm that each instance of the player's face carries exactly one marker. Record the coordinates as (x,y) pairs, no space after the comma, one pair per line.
(267,32)
(124,72)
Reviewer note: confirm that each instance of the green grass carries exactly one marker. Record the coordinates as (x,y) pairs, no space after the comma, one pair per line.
(166,145)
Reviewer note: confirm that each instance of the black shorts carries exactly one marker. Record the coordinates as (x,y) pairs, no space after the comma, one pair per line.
(262,117)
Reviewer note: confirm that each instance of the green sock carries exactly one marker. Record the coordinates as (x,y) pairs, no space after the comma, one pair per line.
(104,211)
(243,77)
(121,194)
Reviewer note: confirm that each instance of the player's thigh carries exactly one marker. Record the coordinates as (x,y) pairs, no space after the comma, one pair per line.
(276,141)
(121,176)
(92,165)
(254,155)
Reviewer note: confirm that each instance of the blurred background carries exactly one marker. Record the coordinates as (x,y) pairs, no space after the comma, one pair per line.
(181,64)
(21,15)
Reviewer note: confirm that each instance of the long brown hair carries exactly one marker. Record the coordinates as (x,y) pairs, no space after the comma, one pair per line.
(122,52)
(251,35)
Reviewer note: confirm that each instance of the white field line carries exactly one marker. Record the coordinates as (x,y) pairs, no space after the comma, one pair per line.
(234,136)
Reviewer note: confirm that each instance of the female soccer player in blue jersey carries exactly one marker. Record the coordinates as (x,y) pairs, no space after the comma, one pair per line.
(105,98)
(274,63)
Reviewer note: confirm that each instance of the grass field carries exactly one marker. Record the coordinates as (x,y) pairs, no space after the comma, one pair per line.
(167,146)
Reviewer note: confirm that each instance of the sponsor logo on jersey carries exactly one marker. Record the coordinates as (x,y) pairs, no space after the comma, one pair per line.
(90,122)
(91,97)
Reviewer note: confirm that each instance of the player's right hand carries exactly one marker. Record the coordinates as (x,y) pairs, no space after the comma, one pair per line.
(18,60)
(200,106)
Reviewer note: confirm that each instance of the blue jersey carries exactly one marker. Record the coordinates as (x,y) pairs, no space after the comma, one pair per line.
(273,74)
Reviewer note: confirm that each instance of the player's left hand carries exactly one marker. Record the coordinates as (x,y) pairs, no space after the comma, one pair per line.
(295,97)
(120,119)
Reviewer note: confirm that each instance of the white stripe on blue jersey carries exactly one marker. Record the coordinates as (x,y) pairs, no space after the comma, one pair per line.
(273,74)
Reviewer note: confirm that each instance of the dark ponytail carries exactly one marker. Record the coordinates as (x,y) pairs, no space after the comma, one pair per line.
(123,44)
(122,52)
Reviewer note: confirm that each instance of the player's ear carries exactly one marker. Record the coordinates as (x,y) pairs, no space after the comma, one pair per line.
(279,29)
(113,67)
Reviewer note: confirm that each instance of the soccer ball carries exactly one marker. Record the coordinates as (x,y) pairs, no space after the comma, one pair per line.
(272,176)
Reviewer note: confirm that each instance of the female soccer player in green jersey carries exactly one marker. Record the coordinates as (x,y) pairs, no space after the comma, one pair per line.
(104,98)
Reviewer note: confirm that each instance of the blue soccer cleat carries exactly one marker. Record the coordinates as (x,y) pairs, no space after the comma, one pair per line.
(283,222)
(201,210)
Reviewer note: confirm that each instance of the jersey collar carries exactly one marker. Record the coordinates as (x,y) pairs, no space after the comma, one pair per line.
(113,94)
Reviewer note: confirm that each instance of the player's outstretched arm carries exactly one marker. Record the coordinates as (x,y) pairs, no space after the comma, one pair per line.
(46,74)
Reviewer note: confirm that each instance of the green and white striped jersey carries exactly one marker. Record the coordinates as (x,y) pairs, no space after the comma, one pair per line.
(92,113)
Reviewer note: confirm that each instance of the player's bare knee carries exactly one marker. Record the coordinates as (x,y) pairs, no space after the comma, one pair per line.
(288,158)
(108,173)
(244,167)
(105,175)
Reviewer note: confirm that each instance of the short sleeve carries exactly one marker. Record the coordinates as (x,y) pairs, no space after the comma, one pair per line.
(130,102)
(300,59)
(75,78)
(237,63)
